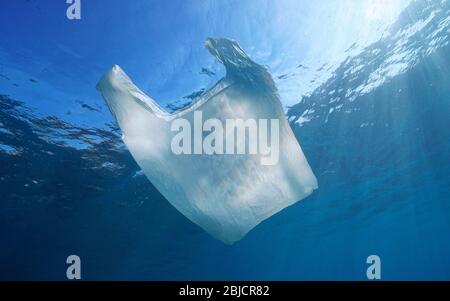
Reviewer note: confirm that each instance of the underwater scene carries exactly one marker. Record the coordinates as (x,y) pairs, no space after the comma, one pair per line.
(361,89)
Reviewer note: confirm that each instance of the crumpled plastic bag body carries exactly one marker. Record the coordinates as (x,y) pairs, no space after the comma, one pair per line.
(225,194)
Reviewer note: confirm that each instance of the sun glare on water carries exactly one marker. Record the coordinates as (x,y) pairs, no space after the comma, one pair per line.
(383,10)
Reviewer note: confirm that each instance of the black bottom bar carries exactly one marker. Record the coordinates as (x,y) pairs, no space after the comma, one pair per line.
(224,290)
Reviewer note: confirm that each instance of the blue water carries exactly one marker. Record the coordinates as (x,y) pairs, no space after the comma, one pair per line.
(374,126)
